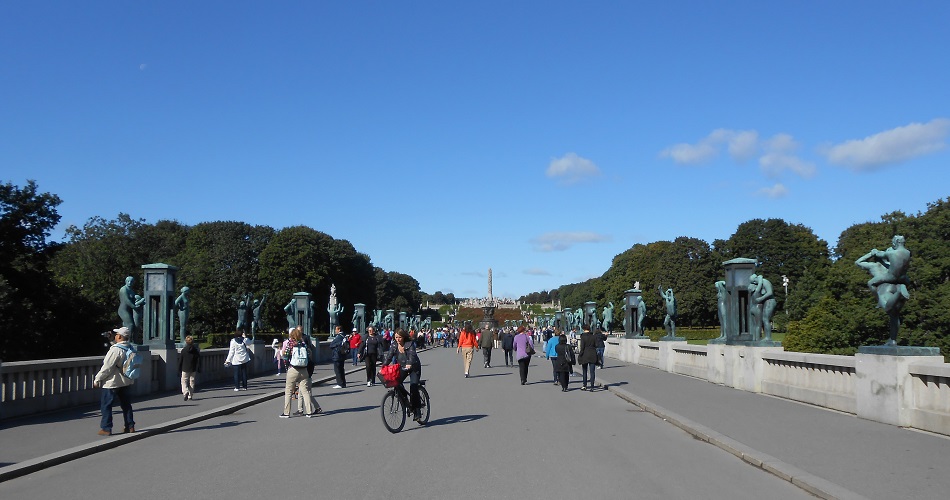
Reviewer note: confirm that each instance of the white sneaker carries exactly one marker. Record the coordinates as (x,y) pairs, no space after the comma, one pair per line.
(235,390)
(369,384)
(338,387)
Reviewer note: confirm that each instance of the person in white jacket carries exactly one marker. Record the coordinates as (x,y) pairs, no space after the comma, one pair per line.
(114,384)
(238,358)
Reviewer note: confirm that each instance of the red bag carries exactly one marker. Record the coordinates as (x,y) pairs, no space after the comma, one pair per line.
(390,375)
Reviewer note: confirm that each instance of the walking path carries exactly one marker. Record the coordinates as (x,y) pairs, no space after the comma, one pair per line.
(830,454)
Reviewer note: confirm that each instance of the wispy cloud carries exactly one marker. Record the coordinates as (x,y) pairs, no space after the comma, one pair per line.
(776,191)
(558,242)
(891,147)
(779,156)
(536,272)
(741,144)
(571,169)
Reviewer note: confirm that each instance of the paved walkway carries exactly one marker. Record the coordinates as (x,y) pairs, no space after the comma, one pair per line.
(830,454)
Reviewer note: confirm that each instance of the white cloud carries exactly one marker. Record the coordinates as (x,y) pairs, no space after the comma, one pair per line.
(891,146)
(776,191)
(779,157)
(536,272)
(558,242)
(742,146)
(572,168)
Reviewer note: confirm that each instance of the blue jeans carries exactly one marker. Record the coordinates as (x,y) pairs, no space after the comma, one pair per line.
(106,402)
(240,375)
(354,353)
(600,356)
(593,368)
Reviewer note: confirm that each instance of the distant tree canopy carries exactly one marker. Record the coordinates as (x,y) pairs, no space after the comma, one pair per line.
(830,305)
(56,297)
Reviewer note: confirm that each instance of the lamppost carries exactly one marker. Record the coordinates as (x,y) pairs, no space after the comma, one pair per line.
(785,284)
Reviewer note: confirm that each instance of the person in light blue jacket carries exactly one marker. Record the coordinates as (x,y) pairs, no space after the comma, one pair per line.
(549,344)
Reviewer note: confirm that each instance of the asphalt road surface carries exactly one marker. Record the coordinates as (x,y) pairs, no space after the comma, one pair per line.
(488,437)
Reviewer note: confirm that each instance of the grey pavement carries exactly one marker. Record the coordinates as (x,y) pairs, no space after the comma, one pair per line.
(826,453)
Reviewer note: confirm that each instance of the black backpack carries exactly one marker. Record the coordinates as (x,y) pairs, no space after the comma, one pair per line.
(344,348)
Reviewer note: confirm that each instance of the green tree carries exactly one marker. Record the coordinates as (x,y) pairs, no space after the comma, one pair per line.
(29,304)
(781,248)
(220,264)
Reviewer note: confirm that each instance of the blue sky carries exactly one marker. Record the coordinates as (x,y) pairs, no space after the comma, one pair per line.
(539,139)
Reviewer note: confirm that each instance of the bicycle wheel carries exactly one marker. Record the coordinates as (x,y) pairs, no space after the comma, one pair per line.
(424,399)
(394,415)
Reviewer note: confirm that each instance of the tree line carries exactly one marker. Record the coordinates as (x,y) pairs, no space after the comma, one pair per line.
(55,297)
(828,308)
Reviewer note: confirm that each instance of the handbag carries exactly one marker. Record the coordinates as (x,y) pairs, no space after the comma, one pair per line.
(528,348)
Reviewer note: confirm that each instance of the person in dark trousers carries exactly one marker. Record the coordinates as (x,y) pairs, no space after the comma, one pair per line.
(338,345)
(115,385)
(487,343)
(523,344)
(564,360)
(508,345)
(370,351)
(403,353)
(587,357)
(600,340)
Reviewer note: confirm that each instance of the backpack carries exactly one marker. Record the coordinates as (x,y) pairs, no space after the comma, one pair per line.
(344,348)
(132,366)
(300,356)
(569,355)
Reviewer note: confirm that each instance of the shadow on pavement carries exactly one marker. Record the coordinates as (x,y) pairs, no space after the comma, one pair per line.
(222,425)
(452,420)
(350,410)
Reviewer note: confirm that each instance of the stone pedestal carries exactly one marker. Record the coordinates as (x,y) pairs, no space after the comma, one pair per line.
(883,382)
(260,356)
(667,356)
(742,366)
(168,370)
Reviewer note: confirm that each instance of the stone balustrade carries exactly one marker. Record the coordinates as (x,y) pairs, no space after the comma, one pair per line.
(29,387)
(910,391)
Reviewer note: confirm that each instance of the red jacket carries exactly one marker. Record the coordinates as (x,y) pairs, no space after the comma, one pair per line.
(355,340)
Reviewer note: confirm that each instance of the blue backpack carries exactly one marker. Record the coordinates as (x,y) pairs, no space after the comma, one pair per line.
(132,366)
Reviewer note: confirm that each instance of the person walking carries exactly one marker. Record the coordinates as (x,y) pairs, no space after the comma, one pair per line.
(524,347)
(339,352)
(563,360)
(238,359)
(508,345)
(600,340)
(587,357)
(298,353)
(551,353)
(355,340)
(487,343)
(115,384)
(189,364)
(370,351)
(466,346)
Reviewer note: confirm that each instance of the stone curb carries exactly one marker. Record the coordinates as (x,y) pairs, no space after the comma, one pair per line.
(36,464)
(821,488)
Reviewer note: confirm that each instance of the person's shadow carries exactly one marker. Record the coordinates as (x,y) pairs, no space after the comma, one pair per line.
(458,419)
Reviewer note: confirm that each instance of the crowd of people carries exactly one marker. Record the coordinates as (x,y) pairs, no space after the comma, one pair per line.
(295,359)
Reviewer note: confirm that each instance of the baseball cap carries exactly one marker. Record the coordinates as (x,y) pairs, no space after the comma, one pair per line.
(124,332)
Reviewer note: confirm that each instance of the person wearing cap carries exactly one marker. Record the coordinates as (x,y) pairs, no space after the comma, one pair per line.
(114,383)
(355,339)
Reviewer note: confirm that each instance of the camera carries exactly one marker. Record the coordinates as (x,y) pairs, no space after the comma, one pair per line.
(107,335)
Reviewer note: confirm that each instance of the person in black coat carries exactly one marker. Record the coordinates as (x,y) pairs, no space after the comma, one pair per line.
(564,361)
(338,358)
(600,340)
(587,357)
(508,345)
(189,364)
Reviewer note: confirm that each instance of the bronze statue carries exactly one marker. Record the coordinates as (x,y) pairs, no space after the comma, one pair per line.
(127,304)
(889,280)
(183,308)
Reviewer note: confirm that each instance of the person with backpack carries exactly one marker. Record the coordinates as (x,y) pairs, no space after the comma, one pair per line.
(339,352)
(239,357)
(587,357)
(563,360)
(369,353)
(115,378)
(299,352)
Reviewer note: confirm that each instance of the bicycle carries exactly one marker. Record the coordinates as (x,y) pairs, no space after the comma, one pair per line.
(395,407)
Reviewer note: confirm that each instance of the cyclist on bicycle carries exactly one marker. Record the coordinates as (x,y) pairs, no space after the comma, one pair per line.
(403,353)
